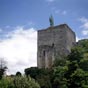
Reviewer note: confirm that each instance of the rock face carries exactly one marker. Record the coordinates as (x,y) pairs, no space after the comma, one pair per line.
(54,41)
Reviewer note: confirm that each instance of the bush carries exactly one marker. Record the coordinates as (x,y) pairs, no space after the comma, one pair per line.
(6,82)
(18,82)
(25,82)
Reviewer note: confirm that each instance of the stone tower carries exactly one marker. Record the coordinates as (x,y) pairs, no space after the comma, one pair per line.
(54,41)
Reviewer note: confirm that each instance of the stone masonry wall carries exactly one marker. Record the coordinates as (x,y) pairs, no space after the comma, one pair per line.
(53,41)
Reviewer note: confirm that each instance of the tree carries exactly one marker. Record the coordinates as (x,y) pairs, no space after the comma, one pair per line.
(33,72)
(25,82)
(3,67)
(59,61)
(42,76)
(59,80)
(18,74)
(7,82)
(73,72)
(67,72)
(77,73)
(18,82)
(59,70)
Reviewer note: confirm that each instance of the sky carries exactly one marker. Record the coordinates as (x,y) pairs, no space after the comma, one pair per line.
(20,20)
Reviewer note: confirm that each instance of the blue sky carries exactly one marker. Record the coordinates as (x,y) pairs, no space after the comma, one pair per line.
(20,20)
(35,13)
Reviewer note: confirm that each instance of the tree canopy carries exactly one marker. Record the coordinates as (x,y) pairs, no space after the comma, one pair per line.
(3,67)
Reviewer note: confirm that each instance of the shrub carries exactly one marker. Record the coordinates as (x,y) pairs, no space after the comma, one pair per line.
(18,82)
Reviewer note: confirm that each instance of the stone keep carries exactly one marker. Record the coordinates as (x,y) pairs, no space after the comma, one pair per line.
(52,42)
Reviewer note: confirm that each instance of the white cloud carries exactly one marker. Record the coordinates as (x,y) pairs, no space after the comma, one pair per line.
(50,0)
(85,32)
(57,11)
(61,12)
(64,12)
(7,26)
(0,30)
(19,49)
(84,25)
(29,24)
(83,19)
(77,39)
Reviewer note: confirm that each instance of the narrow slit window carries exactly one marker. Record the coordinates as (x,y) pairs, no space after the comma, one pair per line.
(43,53)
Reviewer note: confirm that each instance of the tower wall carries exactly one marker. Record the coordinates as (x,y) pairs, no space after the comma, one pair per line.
(52,42)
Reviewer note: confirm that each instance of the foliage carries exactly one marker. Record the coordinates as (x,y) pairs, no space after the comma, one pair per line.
(44,81)
(33,72)
(76,54)
(61,61)
(42,76)
(58,77)
(67,72)
(18,74)
(3,67)
(84,44)
(77,68)
(78,79)
(18,82)
(25,82)
(73,72)
(6,82)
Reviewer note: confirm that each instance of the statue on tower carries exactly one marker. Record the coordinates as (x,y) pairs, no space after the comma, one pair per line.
(51,20)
